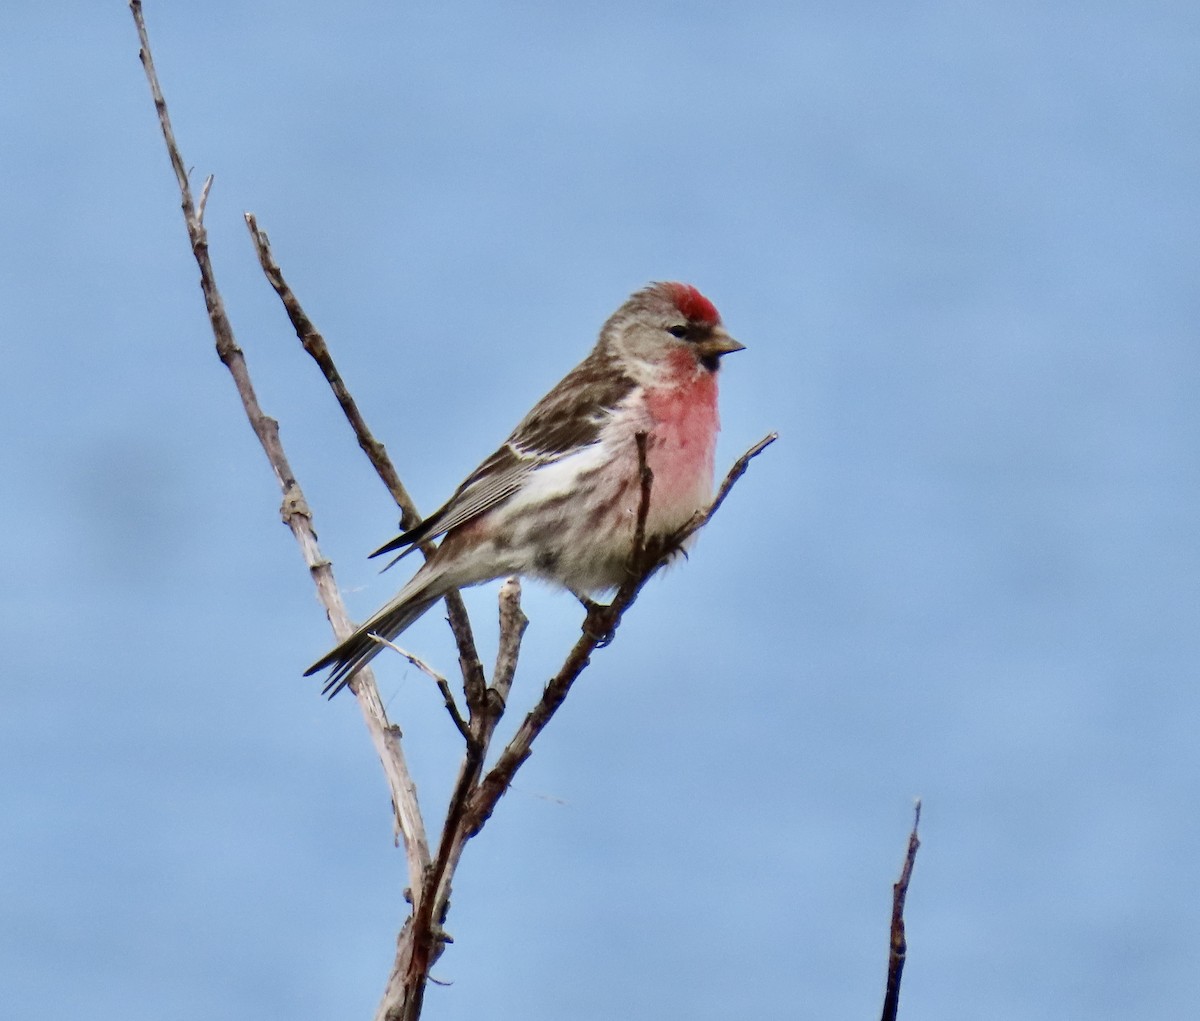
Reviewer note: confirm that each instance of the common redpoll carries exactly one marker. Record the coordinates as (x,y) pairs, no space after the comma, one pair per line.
(559,500)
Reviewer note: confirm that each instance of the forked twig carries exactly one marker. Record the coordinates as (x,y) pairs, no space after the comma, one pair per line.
(598,630)
(422,937)
(475,796)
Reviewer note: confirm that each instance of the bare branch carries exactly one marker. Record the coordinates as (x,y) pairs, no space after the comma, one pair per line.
(314,343)
(898,945)
(438,679)
(295,510)
(598,629)
(474,797)
(425,937)
(731,478)
(316,347)
(208,181)
(646,482)
(512,629)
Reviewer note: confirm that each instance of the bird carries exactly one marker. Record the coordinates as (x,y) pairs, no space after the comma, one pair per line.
(559,500)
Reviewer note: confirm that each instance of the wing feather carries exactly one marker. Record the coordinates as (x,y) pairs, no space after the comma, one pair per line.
(569,418)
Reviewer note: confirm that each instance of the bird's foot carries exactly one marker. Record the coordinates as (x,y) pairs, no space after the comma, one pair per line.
(598,625)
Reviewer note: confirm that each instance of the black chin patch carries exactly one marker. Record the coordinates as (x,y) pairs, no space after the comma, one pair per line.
(711,362)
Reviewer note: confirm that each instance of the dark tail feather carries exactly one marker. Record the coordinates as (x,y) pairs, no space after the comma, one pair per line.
(406,543)
(398,543)
(410,538)
(360,648)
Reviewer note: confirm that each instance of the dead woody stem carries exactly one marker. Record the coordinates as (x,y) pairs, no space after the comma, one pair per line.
(475,793)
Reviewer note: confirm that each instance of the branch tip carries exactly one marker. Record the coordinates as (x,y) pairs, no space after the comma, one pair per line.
(897,941)
(438,679)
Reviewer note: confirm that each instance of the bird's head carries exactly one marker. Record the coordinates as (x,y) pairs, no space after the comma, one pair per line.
(667,329)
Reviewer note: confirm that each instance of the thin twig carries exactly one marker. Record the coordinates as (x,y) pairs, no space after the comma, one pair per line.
(295,510)
(731,478)
(438,679)
(208,182)
(598,629)
(512,629)
(645,482)
(316,347)
(314,343)
(898,945)
(474,798)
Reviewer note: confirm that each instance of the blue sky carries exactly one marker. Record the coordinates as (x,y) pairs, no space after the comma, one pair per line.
(960,244)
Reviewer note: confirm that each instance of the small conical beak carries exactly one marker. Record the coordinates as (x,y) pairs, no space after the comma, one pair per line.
(719,343)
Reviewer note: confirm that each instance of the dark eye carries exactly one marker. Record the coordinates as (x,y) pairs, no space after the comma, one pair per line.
(678,331)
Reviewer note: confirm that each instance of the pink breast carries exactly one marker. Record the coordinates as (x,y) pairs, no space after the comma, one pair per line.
(683,441)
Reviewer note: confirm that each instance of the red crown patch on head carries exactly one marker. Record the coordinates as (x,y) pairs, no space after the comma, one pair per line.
(694,305)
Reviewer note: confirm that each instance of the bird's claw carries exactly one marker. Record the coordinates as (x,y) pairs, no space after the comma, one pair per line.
(598,624)
(603,641)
